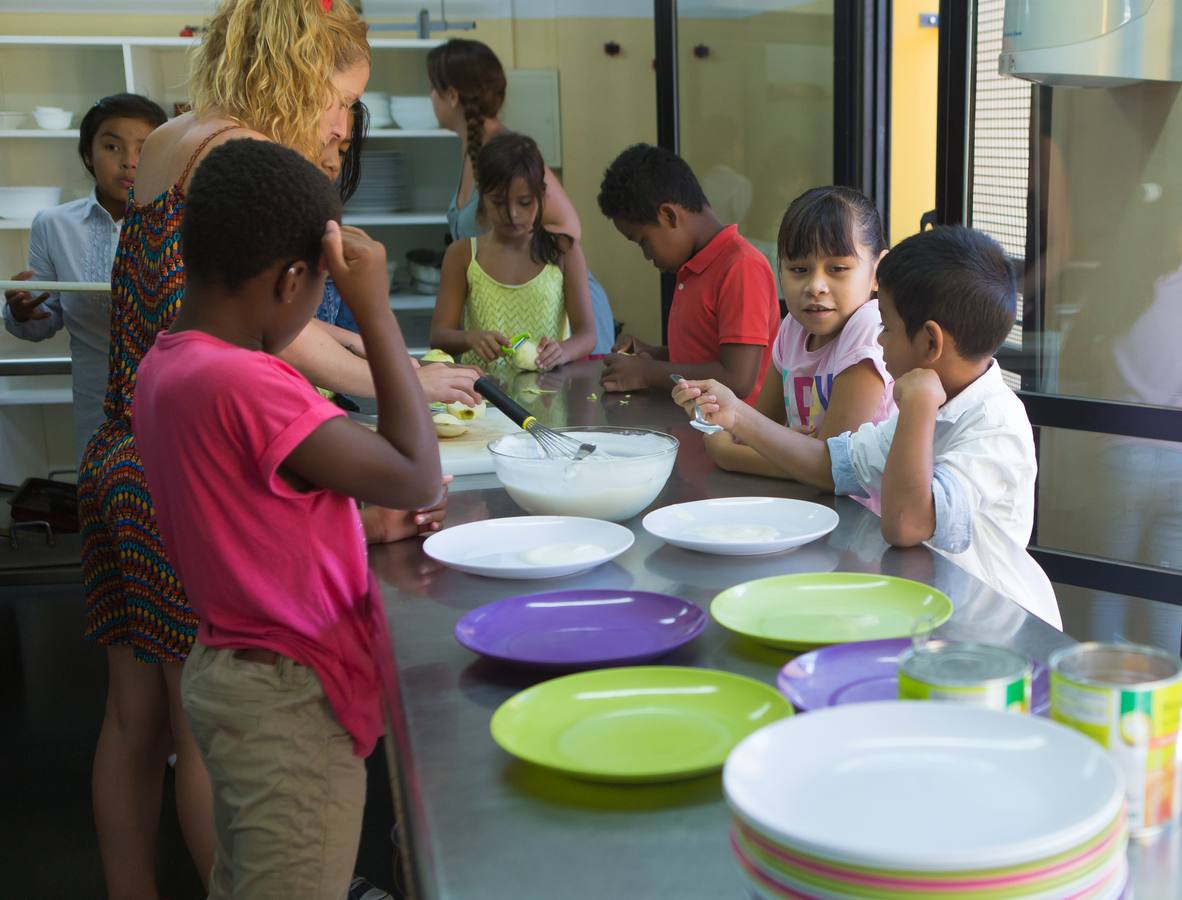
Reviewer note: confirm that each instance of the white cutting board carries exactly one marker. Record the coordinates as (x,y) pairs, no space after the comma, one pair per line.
(468,454)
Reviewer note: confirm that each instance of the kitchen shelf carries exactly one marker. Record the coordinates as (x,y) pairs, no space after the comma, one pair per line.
(407,301)
(405,133)
(35,390)
(39,133)
(394,219)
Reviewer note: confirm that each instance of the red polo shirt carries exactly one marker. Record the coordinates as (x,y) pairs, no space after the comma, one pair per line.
(726,294)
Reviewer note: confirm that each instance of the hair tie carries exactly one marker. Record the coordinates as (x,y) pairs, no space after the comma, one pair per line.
(327,4)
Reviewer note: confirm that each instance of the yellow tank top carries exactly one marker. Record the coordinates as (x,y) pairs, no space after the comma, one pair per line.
(538,306)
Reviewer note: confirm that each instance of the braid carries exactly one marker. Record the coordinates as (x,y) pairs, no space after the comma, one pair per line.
(475,119)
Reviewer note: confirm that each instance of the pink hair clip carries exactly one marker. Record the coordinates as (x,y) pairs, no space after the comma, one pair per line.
(327,4)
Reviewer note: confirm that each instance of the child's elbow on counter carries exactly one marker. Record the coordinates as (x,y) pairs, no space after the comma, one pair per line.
(904,531)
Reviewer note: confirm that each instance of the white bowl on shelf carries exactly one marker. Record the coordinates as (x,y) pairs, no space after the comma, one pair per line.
(378,104)
(413,113)
(25,202)
(51,118)
(10,120)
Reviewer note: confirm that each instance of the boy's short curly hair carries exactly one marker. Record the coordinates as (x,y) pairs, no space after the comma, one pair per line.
(252,204)
(958,278)
(643,177)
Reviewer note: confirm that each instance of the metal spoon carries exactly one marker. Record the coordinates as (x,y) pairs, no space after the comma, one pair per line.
(699,421)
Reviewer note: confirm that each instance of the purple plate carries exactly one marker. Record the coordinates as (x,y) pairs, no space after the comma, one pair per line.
(863,672)
(580,628)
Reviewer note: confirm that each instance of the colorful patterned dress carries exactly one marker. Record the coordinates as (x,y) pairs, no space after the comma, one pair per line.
(133,596)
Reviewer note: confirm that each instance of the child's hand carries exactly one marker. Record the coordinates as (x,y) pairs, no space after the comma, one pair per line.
(920,385)
(551,353)
(717,402)
(22,303)
(486,344)
(442,383)
(357,264)
(624,373)
(382,525)
(630,346)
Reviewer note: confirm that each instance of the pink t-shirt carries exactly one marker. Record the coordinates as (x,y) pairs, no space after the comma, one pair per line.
(808,374)
(263,565)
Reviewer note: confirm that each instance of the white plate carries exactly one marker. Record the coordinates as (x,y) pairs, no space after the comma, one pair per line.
(529,546)
(741,526)
(923,786)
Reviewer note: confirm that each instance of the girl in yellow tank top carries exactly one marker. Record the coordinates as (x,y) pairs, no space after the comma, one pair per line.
(518,277)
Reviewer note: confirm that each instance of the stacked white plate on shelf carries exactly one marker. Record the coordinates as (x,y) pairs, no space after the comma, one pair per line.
(378,104)
(383,186)
(902,799)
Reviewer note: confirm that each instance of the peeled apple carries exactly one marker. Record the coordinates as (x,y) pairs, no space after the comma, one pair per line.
(466,413)
(447,425)
(525,357)
(436,355)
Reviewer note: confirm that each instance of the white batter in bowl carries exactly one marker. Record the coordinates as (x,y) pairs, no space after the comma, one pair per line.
(624,475)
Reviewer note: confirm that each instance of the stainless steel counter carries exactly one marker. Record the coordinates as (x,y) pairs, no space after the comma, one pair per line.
(476,823)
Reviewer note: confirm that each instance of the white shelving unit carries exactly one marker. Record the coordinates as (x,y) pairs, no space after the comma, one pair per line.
(74,71)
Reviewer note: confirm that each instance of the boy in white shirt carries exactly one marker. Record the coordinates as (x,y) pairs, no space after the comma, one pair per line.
(955,467)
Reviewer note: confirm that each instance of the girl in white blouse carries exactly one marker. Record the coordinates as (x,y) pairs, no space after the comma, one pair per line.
(76,241)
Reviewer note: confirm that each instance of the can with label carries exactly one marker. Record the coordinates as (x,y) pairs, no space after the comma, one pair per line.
(1126,697)
(978,674)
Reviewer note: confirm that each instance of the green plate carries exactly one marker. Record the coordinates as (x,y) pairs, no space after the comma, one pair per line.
(641,723)
(799,612)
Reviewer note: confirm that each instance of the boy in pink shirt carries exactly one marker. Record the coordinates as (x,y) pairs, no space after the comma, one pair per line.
(254,476)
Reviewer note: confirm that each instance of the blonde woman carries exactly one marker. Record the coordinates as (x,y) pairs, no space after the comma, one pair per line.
(276,70)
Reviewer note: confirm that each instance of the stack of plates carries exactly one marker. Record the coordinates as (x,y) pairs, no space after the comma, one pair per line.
(378,104)
(383,185)
(898,800)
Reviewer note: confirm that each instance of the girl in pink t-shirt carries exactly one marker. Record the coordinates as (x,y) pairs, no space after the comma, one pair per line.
(827,374)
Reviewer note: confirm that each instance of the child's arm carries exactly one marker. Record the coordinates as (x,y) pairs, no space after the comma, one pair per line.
(908,510)
(628,344)
(737,368)
(800,456)
(735,457)
(35,318)
(577,294)
(447,332)
(856,398)
(384,526)
(398,466)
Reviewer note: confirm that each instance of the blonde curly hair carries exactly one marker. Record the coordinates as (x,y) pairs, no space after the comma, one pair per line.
(269,64)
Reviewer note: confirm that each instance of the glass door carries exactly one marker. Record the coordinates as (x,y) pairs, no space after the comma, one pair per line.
(1081,186)
(767,99)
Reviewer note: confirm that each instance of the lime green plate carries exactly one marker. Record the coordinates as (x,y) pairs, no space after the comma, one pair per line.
(804,611)
(642,723)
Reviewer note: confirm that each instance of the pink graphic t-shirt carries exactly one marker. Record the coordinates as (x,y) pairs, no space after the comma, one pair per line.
(263,564)
(808,375)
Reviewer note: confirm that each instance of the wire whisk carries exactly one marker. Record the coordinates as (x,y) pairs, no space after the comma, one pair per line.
(553,443)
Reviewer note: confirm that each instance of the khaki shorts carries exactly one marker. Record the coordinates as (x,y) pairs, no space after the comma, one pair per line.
(287,790)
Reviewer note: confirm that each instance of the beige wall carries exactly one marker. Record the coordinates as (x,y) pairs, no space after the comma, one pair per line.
(914,64)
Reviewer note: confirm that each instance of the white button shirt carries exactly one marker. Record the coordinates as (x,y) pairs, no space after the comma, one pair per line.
(983,482)
(75,241)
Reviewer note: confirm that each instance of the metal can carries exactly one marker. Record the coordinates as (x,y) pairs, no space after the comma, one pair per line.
(1126,697)
(977,674)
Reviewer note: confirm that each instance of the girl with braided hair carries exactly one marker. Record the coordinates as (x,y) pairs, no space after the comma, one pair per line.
(467,91)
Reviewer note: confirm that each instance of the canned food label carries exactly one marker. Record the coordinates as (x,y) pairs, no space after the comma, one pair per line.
(1013,696)
(1140,729)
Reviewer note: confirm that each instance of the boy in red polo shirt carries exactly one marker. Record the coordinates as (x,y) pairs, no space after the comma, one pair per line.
(725,313)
